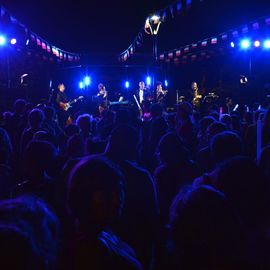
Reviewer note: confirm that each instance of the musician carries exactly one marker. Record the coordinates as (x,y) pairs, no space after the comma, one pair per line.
(160,93)
(143,92)
(102,97)
(61,97)
(197,97)
(61,100)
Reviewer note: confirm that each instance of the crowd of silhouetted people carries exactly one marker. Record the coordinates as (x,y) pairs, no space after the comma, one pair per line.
(121,191)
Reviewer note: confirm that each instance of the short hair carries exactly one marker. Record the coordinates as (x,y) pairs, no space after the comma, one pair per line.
(36,116)
(40,154)
(92,174)
(84,119)
(204,225)
(215,128)
(172,150)
(29,217)
(19,105)
(123,142)
(226,145)
(205,122)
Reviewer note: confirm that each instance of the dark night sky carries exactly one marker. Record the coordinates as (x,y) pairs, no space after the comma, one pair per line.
(97,26)
(85,26)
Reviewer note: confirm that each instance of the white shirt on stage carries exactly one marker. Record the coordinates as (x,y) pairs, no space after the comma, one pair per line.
(141,94)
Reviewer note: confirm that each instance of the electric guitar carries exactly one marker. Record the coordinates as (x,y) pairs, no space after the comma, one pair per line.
(67,105)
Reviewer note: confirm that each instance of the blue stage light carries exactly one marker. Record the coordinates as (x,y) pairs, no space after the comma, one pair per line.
(81,85)
(232,44)
(267,44)
(148,80)
(127,84)
(87,81)
(257,43)
(3,40)
(13,41)
(166,83)
(245,43)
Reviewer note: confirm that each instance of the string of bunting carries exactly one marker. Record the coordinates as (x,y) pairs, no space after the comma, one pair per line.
(198,50)
(46,47)
(168,13)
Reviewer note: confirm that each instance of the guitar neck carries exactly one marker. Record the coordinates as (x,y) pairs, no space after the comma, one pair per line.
(72,101)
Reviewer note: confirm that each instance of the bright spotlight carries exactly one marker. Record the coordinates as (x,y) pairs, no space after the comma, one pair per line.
(87,80)
(127,84)
(81,85)
(257,43)
(22,77)
(13,41)
(243,79)
(27,42)
(166,83)
(267,44)
(155,18)
(2,40)
(245,44)
(232,44)
(148,80)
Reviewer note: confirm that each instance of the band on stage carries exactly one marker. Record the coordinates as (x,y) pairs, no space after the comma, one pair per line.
(142,98)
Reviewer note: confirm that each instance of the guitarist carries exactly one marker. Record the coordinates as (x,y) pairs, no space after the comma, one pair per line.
(61,101)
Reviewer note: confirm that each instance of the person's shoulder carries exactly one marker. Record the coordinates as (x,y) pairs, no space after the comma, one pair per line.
(136,167)
(121,255)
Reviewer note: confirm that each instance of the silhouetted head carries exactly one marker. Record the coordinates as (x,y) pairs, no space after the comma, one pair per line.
(122,143)
(75,146)
(172,151)
(19,106)
(215,115)
(184,110)
(29,235)
(84,122)
(204,226)
(214,129)
(38,157)
(226,145)
(7,117)
(36,118)
(95,194)
(205,123)
(243,183)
